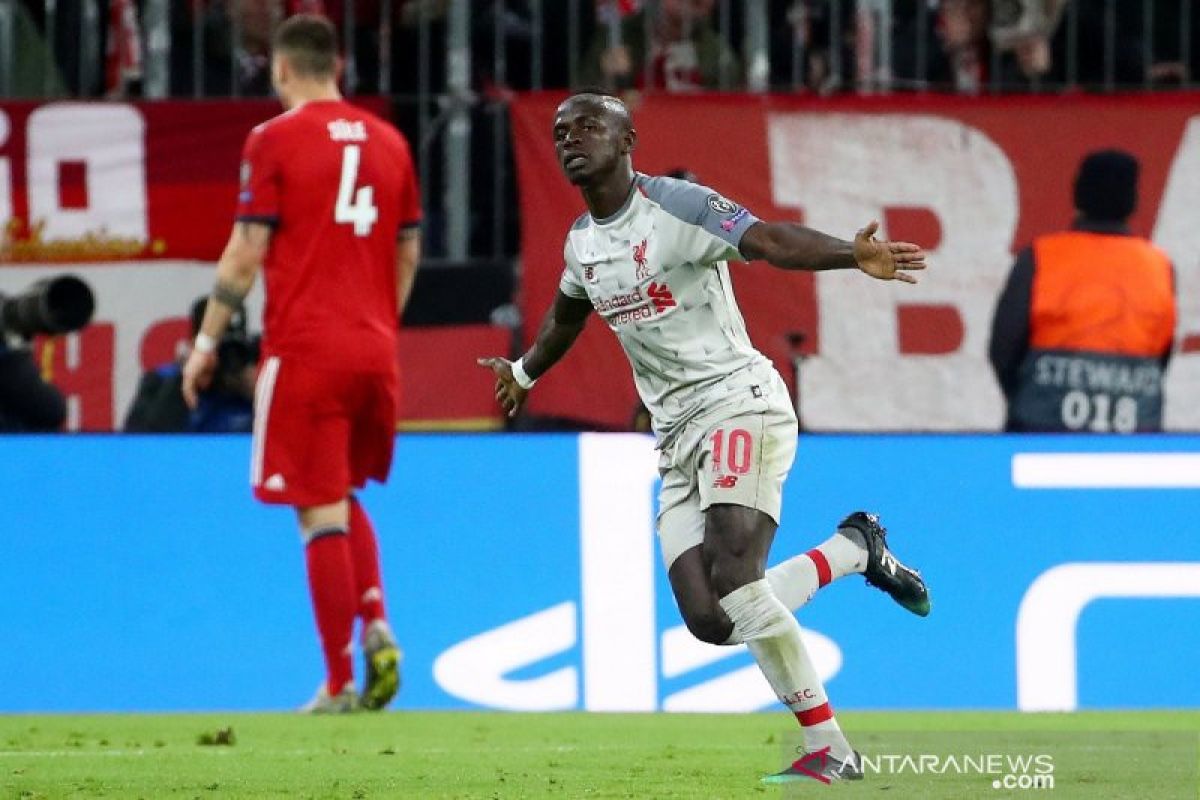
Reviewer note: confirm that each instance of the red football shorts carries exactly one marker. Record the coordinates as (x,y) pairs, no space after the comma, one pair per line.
(318,433)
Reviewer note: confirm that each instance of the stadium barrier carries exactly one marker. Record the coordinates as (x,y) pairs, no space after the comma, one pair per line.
(522,573)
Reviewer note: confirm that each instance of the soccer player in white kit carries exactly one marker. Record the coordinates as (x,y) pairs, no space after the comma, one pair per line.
(650,257)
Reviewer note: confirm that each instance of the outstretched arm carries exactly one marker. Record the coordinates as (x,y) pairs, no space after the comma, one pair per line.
(790,246)
(560,328)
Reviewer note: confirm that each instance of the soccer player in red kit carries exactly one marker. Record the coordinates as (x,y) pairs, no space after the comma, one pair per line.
(329,209)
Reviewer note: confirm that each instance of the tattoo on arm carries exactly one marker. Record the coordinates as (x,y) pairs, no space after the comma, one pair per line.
(229,295)
(255,234)
(248,232)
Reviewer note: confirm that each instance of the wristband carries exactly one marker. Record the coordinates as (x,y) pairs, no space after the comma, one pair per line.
(520,375)
(204,344)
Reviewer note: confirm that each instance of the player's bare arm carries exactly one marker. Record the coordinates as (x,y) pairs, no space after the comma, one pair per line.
(560,328)
(790,246)
(408,257)
(236,272)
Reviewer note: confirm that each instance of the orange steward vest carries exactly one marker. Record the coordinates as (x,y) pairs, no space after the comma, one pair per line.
(1102,316)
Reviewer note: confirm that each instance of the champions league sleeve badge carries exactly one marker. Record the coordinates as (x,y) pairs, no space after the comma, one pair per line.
(721,205)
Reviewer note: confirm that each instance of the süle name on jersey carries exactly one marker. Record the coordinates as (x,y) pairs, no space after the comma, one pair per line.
(344,130)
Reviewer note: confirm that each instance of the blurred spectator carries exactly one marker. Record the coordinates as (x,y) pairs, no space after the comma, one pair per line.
(1124,65)
(1170,65)
(823,45)
(27,402)
(123,51)
(957,50)
(73,36)
(520,27)
(1022,31)
(965,49)
(675,48)
(1084,328)
(1019,45)
(804,53)
(225,407)
(256,20)
(235,38)
(210,26)
(361,64)
(34,73)
(406,44)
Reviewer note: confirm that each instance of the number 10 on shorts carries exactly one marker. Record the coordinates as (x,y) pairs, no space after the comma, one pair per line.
(736,450)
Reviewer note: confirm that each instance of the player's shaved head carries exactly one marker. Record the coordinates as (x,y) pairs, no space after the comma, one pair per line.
(594,139)
(309,41)
(609,106)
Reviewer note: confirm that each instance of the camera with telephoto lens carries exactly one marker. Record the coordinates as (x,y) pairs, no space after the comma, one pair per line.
(51,306)
(236,350)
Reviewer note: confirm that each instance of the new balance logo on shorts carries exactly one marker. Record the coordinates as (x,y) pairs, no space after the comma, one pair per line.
(275,483)
(725,482)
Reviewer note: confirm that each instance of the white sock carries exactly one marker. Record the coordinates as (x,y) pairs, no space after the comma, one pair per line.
(796,580)
(773,637)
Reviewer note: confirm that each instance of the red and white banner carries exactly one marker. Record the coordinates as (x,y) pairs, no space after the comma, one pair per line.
(119,181)
(971,179)
(138,200)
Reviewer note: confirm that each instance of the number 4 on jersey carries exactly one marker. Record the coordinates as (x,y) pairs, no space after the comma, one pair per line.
(356,208)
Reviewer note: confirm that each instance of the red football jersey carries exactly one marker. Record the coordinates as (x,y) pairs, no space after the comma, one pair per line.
(337,185)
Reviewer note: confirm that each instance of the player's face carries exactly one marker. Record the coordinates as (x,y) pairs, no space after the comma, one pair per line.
(589,139)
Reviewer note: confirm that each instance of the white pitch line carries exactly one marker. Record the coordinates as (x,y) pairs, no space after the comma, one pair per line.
(1106,470)
(60,753)
(176,750)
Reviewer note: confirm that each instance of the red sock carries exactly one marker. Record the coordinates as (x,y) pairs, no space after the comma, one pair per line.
(331,584)
(364,550)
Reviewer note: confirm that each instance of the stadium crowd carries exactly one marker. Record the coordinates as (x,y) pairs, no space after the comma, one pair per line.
(93,48)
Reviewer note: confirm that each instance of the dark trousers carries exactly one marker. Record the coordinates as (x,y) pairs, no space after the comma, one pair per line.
(27,403)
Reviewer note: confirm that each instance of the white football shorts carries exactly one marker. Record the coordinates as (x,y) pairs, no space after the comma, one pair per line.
(741,460)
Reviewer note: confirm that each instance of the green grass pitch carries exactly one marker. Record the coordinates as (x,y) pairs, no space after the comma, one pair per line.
(489,755)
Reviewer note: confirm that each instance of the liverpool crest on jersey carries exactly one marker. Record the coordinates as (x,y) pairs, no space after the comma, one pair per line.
(639,258)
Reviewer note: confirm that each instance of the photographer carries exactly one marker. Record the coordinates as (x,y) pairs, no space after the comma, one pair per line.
(225,407)
(27,403)
(51,306)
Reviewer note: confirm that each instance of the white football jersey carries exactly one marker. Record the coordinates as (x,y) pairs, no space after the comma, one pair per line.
(656,272)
